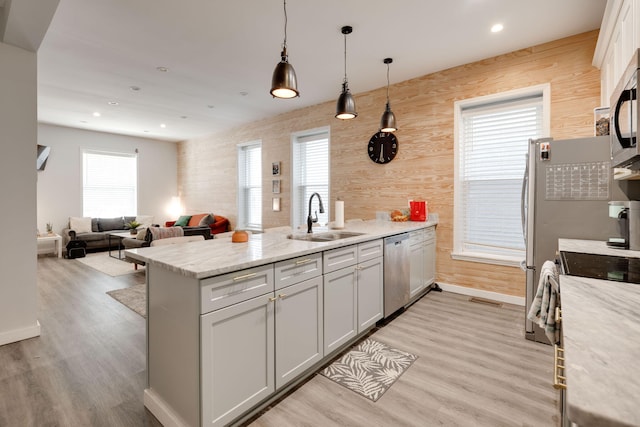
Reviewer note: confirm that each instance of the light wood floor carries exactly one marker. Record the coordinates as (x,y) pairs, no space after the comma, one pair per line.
(88,366)
(474,368)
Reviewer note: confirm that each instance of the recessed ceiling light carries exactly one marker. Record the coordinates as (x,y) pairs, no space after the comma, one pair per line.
(243,93)
(162,69)
(162,125)
(211,106)
(145,131)
(113,103)
(183,117)
(96,114)
(497,28)
(83,121)
(134,88)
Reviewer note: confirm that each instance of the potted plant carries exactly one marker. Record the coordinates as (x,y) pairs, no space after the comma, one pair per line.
(133,225)
(49,228)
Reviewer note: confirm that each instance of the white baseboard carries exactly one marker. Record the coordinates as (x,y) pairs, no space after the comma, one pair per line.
(495,296)
(20,334)
(161,410)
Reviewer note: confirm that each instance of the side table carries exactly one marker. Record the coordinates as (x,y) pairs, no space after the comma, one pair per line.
(56,238)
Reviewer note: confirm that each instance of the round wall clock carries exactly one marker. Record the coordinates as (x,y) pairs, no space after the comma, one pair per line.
(383,147)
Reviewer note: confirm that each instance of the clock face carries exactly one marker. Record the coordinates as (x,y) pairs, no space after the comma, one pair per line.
(383,147)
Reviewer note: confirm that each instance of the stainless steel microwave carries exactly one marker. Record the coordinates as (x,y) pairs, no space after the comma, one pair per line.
(625,152)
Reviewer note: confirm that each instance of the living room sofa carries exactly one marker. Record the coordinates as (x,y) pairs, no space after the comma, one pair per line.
(217,223)
(144,237)
(96,235)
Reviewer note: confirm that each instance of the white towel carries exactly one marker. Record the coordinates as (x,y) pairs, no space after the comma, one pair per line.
(547,297)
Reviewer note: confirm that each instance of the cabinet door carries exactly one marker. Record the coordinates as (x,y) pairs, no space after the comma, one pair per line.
(430,261)
(340,308)
(298,329)
(417,270)
(237,359)
(370,296)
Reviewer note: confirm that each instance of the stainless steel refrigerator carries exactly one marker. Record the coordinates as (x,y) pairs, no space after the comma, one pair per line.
(566,189)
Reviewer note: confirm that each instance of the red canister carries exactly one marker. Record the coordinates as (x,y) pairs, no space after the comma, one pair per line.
(418,210)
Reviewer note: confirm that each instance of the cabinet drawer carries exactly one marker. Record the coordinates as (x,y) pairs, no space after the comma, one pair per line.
(336,259)
(430,233)
(222,291)
(370,250)
(416,237)
(297,270)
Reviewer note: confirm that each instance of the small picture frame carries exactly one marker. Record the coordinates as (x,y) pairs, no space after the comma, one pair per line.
(275,168)
(275,204)
(275,186)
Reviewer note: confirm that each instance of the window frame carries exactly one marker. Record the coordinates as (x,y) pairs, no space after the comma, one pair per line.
(458,252)
(296,138)
(242,204)
(89,151)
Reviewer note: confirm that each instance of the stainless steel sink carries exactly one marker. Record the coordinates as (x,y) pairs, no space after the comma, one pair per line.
(324,237)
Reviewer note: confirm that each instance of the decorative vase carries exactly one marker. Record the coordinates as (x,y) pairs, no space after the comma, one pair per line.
(134,231)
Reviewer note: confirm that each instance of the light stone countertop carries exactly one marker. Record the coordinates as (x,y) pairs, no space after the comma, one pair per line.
(601,331)
(219,255)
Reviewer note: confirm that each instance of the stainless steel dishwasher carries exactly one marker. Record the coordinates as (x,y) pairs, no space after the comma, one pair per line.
(397,263)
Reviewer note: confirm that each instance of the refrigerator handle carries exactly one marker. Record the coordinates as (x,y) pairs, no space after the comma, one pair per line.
(525,187)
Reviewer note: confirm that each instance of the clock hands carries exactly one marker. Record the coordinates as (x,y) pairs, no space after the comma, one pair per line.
(382,152)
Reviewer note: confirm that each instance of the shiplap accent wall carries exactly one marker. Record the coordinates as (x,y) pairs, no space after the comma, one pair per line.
(423,167)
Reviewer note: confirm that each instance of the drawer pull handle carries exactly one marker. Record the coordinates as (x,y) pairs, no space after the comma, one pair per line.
(281,296)
(358,267)
(244,276)
(303,261)
(558,315)
(272,299)
(559,381)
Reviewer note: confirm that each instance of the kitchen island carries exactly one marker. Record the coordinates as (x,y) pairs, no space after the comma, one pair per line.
(233,326)
(601,339)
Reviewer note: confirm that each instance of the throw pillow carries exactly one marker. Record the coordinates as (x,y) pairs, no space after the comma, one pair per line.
(207,220)
(182,221)
(109,224)
(142,232)
(195,220)
(80,224)
(94,225)
(145,220)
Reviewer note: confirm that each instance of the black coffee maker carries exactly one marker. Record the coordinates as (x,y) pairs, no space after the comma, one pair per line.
(620,210)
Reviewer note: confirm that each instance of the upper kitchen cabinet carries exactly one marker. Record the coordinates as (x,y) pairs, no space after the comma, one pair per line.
(618,39)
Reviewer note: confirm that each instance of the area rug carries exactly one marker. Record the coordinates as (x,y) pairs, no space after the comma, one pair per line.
(134,298)
(370,369)
(102,262)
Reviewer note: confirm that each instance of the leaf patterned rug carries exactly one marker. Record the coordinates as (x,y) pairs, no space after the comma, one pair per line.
(370,369)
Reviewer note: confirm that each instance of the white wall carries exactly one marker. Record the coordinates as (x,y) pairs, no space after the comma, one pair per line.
(18,125)
(60,184)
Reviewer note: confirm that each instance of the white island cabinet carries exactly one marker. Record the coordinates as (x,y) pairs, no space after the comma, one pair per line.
(233,327)
(353,289)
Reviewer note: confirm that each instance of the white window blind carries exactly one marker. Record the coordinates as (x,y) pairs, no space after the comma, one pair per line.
(310,165)
(250,186)
(492,149)
(109,184)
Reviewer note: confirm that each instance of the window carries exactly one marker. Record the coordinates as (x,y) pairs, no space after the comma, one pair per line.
(109,184)
(310,169)
(491,144)
(250,186)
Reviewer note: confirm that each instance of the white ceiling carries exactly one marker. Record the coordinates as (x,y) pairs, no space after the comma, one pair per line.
(220,54)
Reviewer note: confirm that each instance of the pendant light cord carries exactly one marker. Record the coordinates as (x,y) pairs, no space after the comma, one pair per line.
(285,25)
(387,83)
(345,58)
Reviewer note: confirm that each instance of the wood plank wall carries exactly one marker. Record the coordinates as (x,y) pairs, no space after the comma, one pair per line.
(423,167)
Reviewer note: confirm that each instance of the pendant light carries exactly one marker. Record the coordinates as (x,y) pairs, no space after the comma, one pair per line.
(346,106)
(388,120)
(284,83)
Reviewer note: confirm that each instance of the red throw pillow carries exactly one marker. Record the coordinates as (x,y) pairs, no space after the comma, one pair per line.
(195,220)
